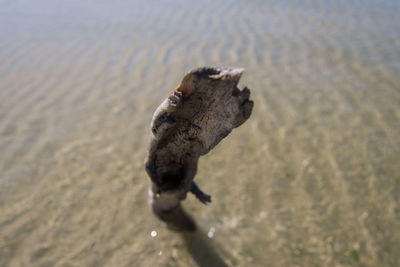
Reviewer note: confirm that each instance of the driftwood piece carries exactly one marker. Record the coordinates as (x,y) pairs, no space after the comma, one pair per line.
(202,110)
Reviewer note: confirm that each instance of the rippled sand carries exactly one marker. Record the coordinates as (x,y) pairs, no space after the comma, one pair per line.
(312,179)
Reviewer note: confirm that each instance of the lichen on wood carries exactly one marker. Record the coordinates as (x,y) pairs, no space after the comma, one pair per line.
(201,111)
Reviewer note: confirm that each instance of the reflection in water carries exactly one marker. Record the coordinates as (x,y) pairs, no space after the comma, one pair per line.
(202,250)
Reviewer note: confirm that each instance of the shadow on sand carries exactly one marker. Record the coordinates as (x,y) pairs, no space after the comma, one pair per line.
(202,250)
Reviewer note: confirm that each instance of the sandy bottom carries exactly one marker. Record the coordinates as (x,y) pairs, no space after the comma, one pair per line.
(312,179)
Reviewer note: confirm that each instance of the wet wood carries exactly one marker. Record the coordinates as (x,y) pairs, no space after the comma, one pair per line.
(203,109)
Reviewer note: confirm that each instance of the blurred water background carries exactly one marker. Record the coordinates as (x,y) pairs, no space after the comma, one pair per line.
(312,179)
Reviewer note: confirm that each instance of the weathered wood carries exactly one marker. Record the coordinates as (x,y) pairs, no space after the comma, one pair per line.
(202,110)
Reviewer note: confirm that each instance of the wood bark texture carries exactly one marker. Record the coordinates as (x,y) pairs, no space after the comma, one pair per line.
(202,110)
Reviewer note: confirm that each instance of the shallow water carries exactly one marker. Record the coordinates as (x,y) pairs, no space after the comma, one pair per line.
(312,179)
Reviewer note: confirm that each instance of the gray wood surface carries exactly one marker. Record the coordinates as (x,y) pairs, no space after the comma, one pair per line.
(202,110)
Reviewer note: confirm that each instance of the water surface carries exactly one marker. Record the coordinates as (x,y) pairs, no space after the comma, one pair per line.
(312,179)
